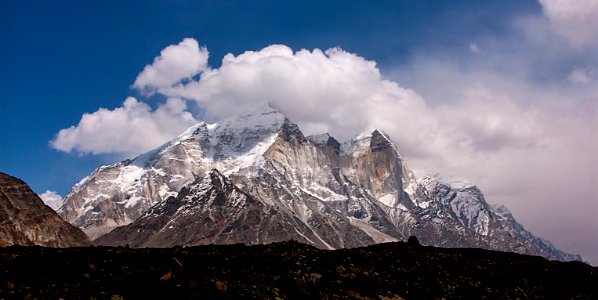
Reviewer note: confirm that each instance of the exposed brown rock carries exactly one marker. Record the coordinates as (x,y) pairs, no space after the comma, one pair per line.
(26,220)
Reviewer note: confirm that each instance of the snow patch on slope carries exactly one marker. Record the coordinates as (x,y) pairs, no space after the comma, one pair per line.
(377,236)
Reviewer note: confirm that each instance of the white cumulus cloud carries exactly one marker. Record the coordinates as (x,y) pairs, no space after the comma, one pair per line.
(176,62)
(342,93)
(332,91)
(51,199)
(132,128)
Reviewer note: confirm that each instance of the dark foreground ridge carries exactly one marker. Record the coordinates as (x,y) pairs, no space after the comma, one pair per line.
(288,270)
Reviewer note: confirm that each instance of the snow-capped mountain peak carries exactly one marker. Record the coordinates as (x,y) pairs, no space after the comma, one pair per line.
(374,139)
(116,195)
(255,178)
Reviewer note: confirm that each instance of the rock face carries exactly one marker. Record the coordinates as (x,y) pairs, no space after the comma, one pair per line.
(255,178)
(27,221)
(210,211)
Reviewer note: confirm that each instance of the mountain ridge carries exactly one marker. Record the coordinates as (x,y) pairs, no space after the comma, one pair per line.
(347,194)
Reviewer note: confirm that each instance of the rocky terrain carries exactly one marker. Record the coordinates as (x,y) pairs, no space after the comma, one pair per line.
(213,211)
(26,220)
(289,270)
(255,178)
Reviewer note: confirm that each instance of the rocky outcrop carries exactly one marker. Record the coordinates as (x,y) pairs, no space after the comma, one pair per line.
(26,220)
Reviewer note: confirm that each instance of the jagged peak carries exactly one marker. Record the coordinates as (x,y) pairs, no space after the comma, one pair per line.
(324,139)
(375,139)
(369,132)
(215,172)
(217,179)
(261,118)
(365,134)
(319,139)
(377,131)
(290,130)
(379,141)
(264,119)
(501,210)
(450,181)
(258,113)
(265,108)
(211,180)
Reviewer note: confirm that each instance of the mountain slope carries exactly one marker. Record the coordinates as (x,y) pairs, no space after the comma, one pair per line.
(326,193)
(26,220)
(210,211)
(116,195)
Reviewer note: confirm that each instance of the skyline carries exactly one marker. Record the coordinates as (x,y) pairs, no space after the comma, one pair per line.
(506,86)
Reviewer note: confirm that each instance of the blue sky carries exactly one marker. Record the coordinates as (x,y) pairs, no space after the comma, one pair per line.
(500,93)
(62,60)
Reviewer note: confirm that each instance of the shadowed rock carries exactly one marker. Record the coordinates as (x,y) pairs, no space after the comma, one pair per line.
(26,220)
(289,270)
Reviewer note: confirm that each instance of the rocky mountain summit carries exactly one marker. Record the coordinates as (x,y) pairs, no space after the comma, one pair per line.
(26,220)
(255,178)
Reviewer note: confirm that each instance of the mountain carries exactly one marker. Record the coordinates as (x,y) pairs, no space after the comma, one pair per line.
(212,210)
(118,194)
(26,220)
(255,178)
